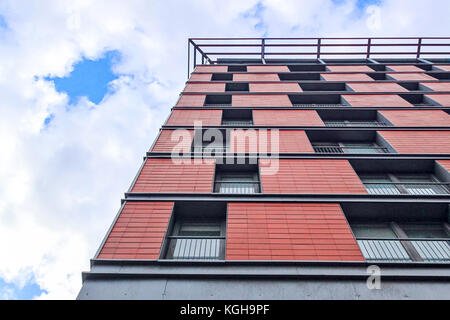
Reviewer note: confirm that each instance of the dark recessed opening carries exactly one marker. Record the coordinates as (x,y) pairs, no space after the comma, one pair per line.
(439,75)
(353,118)
(299,76)
(378,67)
(323,86)
(417,99)
(411,86)
(237,86)
(237,68)
(218,100)
(316,99)
(306,67)
(237,179)
(398,61)
(238,117)
(377,76)
(222,77)
(346,61)
(287,61)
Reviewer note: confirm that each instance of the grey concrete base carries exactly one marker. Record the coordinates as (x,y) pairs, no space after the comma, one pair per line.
(262,281)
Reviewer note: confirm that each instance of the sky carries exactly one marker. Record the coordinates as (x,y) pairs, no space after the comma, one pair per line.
(85,86)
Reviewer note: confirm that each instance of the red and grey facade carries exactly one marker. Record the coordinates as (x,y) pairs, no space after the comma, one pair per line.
(362,178)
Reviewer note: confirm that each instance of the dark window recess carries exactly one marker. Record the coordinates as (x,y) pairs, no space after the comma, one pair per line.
(403,242)
(439,75)
(397,61)
(412,86)
(348,147)
(240,117)
(316,100)
(413,184)
(237,86)
(237,68)
(299,76)
(352,118)
(218,100)
(210,142)
(197,232)
(378,67)
(355,123)
(323,86)
(377,76)
(418,99)
(346,61)
(222,77)
(244,180)
(306,67)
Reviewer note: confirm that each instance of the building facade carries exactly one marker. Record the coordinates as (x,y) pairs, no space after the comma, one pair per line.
(310,175)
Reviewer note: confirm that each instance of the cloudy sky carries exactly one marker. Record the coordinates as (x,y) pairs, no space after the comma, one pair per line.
(84,87)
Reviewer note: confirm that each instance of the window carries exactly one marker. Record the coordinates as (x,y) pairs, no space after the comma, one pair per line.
(237,68)
(237,182)
(357,148)
(391,241)
(237,86)
(389,184)
(193,240)
(352,118)
(222,77)
(240,117)
(306,67)
(323,86)
(418,100)
(316,100)
(218,100)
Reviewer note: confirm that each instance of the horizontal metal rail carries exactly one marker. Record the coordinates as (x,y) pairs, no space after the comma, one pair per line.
(195,248)
(315,105)
(237,187)
(413,188)
(349,149)
(395,250)
(356,124)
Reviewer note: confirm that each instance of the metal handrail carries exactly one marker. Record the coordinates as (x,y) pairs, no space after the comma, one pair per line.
(413,188)
(195,248)
(350,123)
(339,149)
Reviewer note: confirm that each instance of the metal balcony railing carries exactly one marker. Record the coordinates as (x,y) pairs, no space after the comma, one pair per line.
(217,105)
(196,248)
(237,122)
(237,187)
(394,250)
(355,124)
(414,188)
(317,105)
(349,149)
(215,149)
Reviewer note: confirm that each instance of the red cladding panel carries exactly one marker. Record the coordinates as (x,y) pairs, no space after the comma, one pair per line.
(267,69)
(168,139)
(205,87)
(311,176)
(350,68)
(200,77)
(275,87)
(163,175)
(261,100)
(211,69)
(138,232)
(255,77)
(417,118)
(444,164)
(182,117)
(405,68)
(289,231)
(376,100)
(442,99)
(376,87)
(418,141)
(410,76)
(346,77)
(437,86)
(286,118)
(191,100)
(251,141)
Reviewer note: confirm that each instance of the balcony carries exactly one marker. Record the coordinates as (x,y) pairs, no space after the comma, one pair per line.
(316,105)
(345,123)
(413,188)
(196,248)
(395,250)
(237,187)
(362,148)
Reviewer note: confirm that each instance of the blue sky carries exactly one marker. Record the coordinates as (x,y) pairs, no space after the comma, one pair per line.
(57,203)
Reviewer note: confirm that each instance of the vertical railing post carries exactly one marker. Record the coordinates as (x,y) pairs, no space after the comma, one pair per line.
(263,49)
(419,48)
(319,41)
(369,40)
(189,58)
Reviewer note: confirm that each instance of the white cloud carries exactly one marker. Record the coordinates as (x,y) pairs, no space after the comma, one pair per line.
(61,185)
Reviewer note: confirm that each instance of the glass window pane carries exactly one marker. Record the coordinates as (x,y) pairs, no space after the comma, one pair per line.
(424,231)
(373,231)
(199,230)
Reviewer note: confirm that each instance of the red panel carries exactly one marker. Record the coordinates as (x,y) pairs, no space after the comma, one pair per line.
(290,141)
(163,175)
(405,68)
(191,100)
(211,69)
(418,141)
(315,176)
(442,99)
(289,231)
(164,143)
(200,77)
(410,76)
(275,87)
(376,100)
(376,87)
(350,68)
(261,100)
(267,68)
(205,87)
(444,164)
(417,118)
(182,117)
(286,118)
(437,86)
(138,232)
(346,77)
(255,77)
